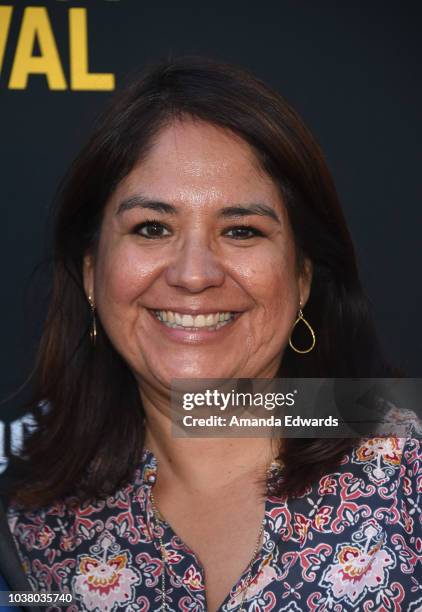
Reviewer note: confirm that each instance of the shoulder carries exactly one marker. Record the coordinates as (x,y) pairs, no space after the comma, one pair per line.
(376,472)
(391,468)
(393,451)
(390,450)
(60,525)
(388,462)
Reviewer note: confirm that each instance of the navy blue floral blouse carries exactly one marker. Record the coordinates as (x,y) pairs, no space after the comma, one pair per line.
(352,541)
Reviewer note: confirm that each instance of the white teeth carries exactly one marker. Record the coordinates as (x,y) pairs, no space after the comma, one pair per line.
(199,321)
(210,321)
(187,320)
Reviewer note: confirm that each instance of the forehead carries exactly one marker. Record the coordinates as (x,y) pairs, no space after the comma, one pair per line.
(194,160)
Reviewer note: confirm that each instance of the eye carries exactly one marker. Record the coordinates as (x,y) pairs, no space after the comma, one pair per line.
(151,229)
(243,232)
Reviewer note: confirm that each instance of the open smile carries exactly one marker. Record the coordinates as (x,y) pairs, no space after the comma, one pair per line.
(192,327)
(208,321)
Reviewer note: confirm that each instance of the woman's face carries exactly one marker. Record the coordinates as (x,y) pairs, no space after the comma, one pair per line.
(195,273)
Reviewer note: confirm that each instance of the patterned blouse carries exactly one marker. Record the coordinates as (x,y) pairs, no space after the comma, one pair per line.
(352,541)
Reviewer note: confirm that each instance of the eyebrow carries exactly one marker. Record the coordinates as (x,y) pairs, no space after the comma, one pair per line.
(227,212)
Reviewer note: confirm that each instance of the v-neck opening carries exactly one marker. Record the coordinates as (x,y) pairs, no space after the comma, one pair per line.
(254,567)
(264,553)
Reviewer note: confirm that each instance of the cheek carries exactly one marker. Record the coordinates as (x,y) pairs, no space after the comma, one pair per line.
(273,284)
(274,287)
(122,275)
(277,309)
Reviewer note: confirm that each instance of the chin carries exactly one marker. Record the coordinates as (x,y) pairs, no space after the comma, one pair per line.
(194,371)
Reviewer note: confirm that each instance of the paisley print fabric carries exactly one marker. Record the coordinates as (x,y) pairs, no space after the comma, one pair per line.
(352,541)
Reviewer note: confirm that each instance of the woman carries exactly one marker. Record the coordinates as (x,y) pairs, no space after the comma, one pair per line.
(195,229)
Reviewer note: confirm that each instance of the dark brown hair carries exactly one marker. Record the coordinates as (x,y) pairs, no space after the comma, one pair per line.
(90,439)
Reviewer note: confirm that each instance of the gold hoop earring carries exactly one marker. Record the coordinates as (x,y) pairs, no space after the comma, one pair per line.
(93,329)
(300,317)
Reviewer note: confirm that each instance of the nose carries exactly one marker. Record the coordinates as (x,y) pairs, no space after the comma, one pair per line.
(195,267)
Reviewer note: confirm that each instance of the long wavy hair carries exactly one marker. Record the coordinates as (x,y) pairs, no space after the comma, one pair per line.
(91,438)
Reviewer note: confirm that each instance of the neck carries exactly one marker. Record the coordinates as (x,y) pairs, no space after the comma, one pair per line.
(202,464)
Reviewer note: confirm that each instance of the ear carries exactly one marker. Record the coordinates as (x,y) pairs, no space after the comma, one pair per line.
(88,276)
(305,281)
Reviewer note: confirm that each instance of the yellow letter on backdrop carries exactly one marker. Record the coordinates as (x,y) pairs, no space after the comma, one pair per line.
(80,77)
(5,19)
(35,23)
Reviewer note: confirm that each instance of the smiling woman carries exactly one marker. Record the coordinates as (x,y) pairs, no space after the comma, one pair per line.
(207,238)
(195,229)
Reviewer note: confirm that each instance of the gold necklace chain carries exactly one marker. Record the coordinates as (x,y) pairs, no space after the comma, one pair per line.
(254,556)
(274,465)
(163,554)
